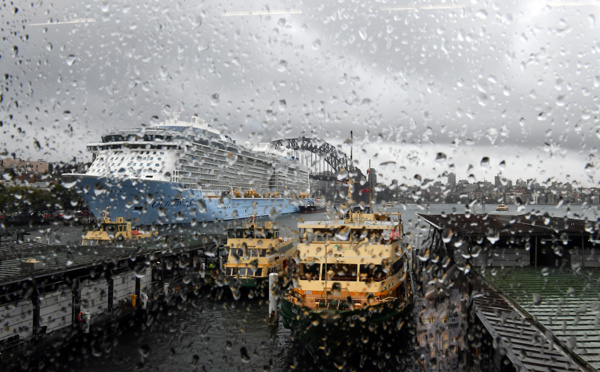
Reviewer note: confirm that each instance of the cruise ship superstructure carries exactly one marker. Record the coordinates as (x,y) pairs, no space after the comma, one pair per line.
(186,172)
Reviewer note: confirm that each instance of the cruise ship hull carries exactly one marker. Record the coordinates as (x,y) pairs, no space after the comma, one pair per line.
(147,202)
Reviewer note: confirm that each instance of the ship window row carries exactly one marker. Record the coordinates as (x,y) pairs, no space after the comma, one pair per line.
(124,154)
(355,235)
(342,272)
(251,233)
(241,252)
(132,146)
(243,271)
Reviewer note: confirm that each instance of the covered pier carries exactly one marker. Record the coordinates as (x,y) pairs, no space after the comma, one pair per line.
(531,287)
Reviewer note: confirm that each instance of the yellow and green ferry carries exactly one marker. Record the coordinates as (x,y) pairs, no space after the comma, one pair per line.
(352,278)
(255,251)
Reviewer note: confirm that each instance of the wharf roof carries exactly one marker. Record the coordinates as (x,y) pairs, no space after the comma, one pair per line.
(56,259)
(530,309)
(542,318)
(530,224)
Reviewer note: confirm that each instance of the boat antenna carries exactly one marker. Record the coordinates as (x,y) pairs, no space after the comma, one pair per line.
(370,186)
(350,170)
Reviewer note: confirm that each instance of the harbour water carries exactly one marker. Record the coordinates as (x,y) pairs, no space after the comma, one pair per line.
(214,332)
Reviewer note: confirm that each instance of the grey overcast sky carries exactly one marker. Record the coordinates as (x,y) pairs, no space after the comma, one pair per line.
(427,86)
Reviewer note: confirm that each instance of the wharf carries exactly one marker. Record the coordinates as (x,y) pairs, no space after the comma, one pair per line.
(63,292)
(559,303)
(533,284)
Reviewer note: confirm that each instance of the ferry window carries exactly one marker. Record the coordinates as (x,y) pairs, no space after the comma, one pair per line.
(398,266)
(308,271)
(340,272)
(372,273)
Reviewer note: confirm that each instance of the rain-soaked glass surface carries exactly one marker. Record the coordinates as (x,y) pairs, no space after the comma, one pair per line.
(390,185)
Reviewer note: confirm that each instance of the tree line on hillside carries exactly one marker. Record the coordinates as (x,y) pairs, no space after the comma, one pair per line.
(20,202)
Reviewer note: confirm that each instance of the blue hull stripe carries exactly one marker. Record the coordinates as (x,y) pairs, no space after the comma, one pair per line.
(153,202)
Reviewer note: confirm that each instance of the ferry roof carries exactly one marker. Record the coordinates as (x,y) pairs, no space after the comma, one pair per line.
(339,223)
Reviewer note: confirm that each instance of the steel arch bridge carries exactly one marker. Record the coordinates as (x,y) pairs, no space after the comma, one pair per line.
(336,159)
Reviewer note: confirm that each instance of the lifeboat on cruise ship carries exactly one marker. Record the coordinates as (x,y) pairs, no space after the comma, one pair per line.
(251,194)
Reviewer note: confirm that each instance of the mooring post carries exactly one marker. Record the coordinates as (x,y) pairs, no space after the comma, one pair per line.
(273,297)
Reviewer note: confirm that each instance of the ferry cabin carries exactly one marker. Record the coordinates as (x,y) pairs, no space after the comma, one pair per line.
(361,258)
(255,252)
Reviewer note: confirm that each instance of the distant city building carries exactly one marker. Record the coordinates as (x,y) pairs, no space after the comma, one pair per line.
(452,181)
(40,166)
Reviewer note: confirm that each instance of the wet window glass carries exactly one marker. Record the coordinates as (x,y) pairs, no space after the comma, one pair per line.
(424,173)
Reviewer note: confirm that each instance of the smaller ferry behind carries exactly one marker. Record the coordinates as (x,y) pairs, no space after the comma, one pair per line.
(113,231)
(254,252)
(315,205)
(502,208)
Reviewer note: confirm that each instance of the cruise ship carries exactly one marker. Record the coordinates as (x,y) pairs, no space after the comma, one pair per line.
(188,172)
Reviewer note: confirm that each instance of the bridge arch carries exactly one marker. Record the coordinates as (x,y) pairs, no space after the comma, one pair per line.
(336,159)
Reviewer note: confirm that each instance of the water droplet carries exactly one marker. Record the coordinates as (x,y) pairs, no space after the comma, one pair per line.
(362,33)
(144,350)
(71,59)
(244,355)
(196,22)
(282,65)
(485,162)
(541,116)
(49,46)
(316,45)
(522,122)
(493,235)
(481,14)
(214,99)
(447,235)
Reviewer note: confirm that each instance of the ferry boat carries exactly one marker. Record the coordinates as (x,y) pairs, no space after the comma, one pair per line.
(256,251)
(351,279)
(317,205)
(111,231)
(351,276)
(502,207)
(187,172)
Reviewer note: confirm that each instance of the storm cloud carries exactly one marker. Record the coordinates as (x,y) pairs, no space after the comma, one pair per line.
(513,81)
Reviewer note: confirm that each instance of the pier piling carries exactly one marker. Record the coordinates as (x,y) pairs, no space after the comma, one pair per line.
(273,316)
